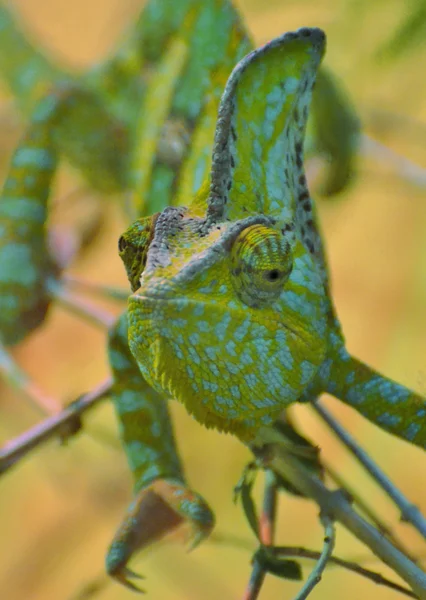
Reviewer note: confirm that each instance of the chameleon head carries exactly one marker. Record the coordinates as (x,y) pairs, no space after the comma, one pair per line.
(231,313)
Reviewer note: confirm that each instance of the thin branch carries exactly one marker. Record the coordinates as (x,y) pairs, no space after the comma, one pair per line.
(409,512)
(335,503)
(89,287)
(64,425)
(316,573)
(404,167)
(90,312)
(12,372)
(367,510)
(299,552)
(360,503)
(268,517)
(267,525)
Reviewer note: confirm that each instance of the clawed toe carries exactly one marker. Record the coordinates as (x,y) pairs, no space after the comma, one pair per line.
(124,576)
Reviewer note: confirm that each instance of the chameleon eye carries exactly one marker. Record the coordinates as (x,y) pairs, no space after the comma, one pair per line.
(261,263)
(122,244)
(133,248)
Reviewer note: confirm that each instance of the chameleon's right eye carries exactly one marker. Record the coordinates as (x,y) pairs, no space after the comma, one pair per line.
(133,248)
(261,263)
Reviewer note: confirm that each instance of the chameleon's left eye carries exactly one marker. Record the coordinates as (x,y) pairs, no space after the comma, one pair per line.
(261,263)
(122,244)
(133,248)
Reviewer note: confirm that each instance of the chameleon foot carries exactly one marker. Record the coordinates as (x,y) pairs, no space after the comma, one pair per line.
(163,507)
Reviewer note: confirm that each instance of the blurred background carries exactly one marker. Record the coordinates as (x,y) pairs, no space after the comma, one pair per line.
(60,507)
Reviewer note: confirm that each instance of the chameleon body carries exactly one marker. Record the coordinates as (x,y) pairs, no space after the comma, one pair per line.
(233,315)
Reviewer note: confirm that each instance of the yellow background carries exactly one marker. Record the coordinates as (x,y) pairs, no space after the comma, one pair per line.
(60,508)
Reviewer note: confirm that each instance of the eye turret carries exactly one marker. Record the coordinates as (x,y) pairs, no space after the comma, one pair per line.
(122,244)
(261,263)
(133,248)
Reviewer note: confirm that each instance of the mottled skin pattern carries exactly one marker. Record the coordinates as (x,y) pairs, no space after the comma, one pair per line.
(233,315)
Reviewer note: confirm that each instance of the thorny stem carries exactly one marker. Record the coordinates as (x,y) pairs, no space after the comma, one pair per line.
(89,287)
(337,506)
(94,314)
(64,424)
(267,532)
(409,512)
(316,573)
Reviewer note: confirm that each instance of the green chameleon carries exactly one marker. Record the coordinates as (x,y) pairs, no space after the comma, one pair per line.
(251,327)
(231,312)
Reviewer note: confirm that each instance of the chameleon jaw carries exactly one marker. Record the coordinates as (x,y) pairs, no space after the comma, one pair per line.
(209,373)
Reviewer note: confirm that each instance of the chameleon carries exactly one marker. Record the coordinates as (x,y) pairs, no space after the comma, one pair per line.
(231,312)
(158,151)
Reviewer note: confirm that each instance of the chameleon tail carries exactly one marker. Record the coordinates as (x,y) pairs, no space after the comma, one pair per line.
(180,90)
(388,404)
(163,502)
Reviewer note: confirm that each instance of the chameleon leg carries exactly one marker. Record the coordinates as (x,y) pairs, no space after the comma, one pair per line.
(163,503)
(390,405)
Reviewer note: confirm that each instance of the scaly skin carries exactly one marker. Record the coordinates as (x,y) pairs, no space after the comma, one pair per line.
(233,315)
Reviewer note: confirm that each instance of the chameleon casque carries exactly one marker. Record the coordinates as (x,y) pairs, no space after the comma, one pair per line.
(231,311)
